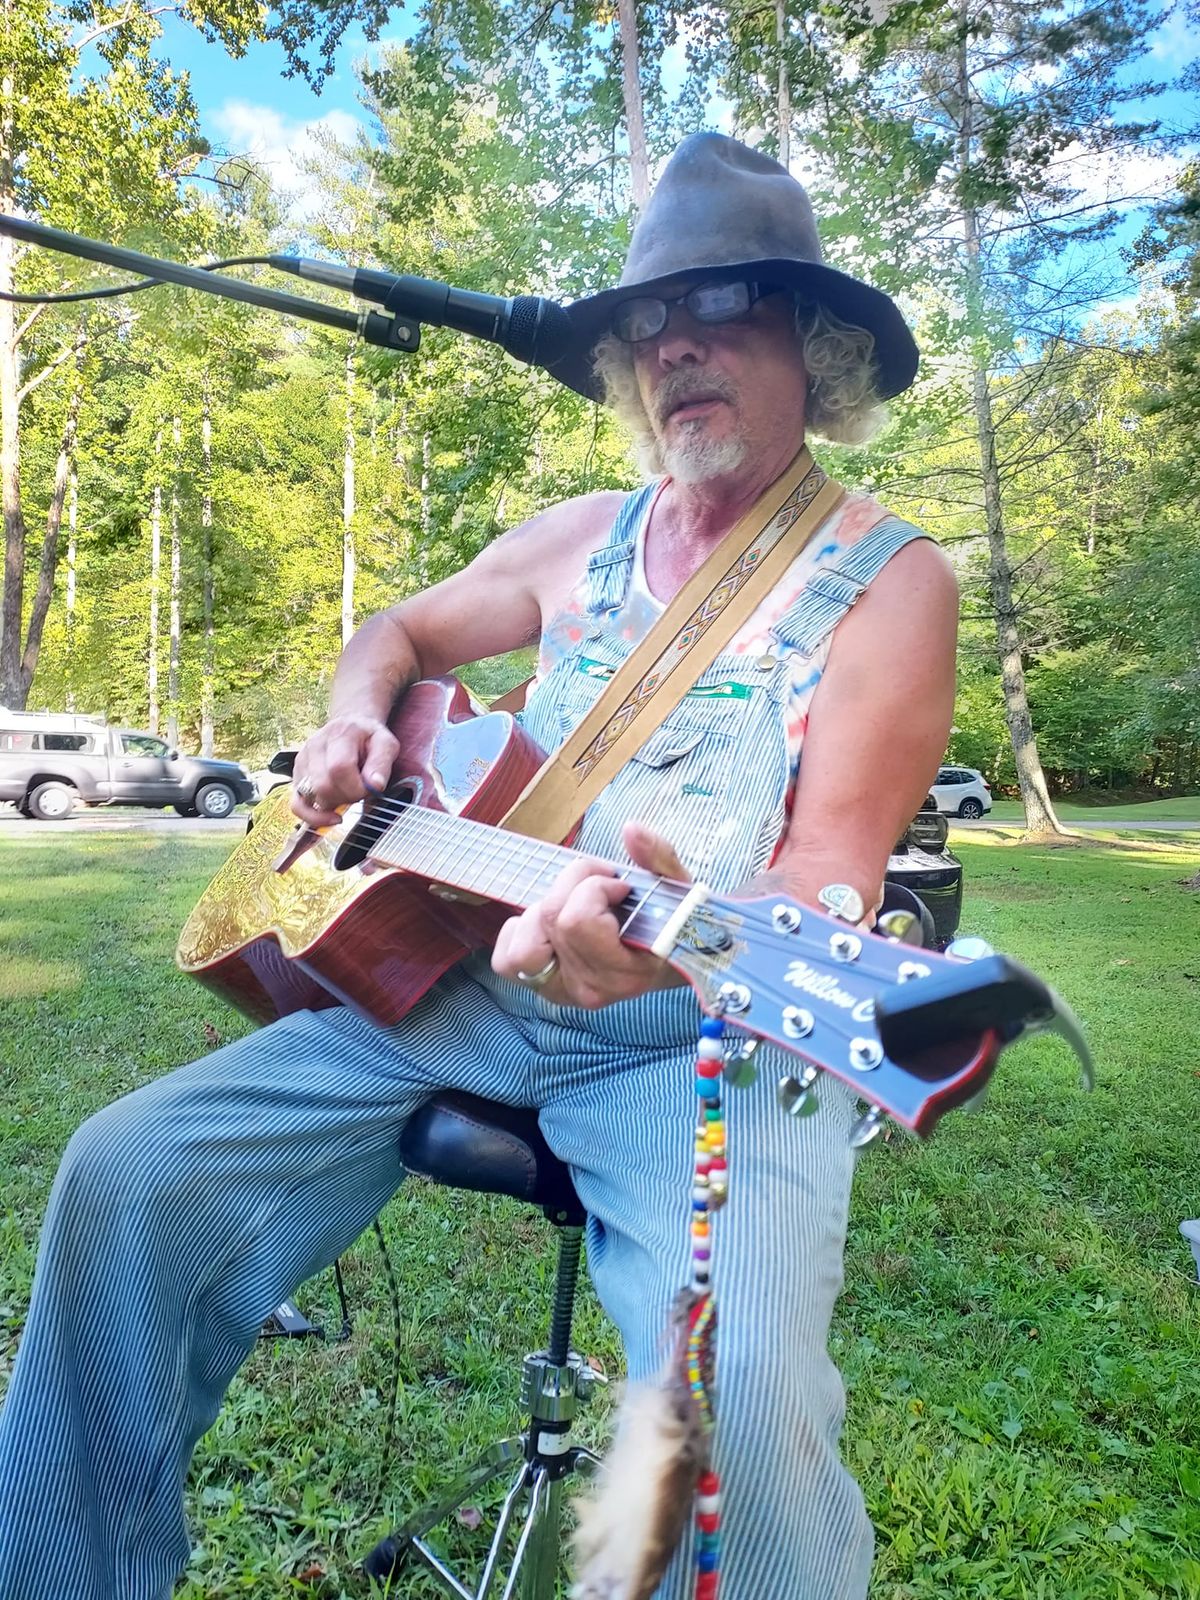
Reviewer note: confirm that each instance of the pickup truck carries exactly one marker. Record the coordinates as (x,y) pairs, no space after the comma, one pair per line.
(47,770)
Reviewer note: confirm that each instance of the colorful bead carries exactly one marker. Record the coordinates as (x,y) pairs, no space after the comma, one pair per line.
(709,1188)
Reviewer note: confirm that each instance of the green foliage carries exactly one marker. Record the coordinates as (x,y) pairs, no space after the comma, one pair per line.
(496,162)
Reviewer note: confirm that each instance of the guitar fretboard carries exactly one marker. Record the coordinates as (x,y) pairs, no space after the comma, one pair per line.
(505,867)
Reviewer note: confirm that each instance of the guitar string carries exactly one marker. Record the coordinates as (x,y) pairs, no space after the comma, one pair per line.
(422,826)
(538,861)
(492,841)
(513,847)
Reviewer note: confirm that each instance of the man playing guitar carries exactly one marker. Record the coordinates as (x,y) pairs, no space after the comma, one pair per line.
(185,1212)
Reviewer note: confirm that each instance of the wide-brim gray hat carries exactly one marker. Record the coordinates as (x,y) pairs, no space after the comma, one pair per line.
(721,208)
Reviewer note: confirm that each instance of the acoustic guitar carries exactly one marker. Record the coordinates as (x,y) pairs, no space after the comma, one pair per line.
(372,913)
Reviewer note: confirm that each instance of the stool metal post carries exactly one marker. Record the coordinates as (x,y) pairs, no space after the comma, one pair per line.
(455,1139)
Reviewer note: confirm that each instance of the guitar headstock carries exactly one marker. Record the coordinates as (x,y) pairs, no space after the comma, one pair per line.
(913,1032)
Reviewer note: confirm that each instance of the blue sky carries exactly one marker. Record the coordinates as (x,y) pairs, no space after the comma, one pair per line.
(248,106)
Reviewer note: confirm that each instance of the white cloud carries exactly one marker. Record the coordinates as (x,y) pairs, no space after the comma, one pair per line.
(282,146)
(1177,41)
(1113,176)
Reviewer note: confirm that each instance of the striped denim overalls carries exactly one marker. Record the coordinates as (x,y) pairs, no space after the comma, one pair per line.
(183,1213)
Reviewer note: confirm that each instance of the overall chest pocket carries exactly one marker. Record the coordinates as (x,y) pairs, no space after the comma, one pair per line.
(678,783)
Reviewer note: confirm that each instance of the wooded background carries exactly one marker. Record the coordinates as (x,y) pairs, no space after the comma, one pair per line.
(202,500)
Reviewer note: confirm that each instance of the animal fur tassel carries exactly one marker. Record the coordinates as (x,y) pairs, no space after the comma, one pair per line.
(628,1531)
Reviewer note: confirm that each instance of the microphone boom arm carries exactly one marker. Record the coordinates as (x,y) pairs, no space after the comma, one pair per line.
(390,332)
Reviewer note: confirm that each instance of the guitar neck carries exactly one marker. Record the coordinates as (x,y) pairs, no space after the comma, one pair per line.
(476,858)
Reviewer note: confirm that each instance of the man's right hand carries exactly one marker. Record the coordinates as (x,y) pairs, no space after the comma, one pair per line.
(349,757)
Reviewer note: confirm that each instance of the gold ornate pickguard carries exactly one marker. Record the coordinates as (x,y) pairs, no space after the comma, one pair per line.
(248,898)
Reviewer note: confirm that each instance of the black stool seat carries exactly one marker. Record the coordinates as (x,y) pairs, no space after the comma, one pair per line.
(467,1142)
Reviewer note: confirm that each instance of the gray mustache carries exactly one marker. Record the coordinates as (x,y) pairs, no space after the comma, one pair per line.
(685,384)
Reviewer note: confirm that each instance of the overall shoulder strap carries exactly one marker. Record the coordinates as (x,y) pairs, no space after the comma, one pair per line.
(609,567)
(707,611)
(832,590)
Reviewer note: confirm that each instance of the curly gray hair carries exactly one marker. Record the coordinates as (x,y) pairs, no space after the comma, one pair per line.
(843,404)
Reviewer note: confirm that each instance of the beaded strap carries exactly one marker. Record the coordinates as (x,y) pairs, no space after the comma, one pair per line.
(710,1186)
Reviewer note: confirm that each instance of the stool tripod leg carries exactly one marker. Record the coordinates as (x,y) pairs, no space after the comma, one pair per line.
(535,1560)
(496,1549)
(386,1558)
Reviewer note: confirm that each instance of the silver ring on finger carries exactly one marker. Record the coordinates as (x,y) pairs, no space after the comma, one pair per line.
(307,790)
(535,980)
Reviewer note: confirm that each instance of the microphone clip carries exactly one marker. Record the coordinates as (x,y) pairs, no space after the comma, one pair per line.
(389,332)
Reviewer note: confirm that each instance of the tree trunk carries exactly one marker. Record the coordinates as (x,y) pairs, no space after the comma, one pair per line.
(1039,813)
(631,89)
(349,557)
(426,509)
(72,551)
(1094,496)
(208,668)
(176,586)
(784,90)
(155,582)
(44,591)
(12,601)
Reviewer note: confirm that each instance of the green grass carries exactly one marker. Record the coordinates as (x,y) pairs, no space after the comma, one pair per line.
(1186,809)
(1019,1331)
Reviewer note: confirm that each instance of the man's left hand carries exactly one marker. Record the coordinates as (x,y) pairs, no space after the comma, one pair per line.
(575,931)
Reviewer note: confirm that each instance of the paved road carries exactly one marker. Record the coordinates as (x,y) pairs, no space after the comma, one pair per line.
(130,819)
(1154,825)
(103,819)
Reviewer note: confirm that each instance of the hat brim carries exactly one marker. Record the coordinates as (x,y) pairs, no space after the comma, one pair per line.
(855,302)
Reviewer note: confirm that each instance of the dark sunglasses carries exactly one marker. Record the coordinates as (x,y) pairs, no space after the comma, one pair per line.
(643,318)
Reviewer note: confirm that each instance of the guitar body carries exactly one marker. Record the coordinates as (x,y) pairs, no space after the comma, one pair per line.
(322,933)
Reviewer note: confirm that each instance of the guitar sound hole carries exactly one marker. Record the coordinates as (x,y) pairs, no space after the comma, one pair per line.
(376,817)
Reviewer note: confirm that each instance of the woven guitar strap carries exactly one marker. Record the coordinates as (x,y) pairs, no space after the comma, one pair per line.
(707,612)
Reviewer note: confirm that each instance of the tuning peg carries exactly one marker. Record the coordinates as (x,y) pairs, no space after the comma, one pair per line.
(868,1127)
(902,927)
(740,1068)
(969,948)
(796,1095)
(843,901)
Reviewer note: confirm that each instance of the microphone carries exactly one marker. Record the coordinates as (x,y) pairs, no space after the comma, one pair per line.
(535,330)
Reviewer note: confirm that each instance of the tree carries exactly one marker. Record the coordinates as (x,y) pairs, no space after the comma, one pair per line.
(951,144)
(97,133)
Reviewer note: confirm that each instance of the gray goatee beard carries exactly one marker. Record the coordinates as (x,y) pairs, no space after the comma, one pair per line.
(697,460)
(693,457)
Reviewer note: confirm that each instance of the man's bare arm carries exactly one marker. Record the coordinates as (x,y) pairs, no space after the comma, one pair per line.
(494,605)
(877,730)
